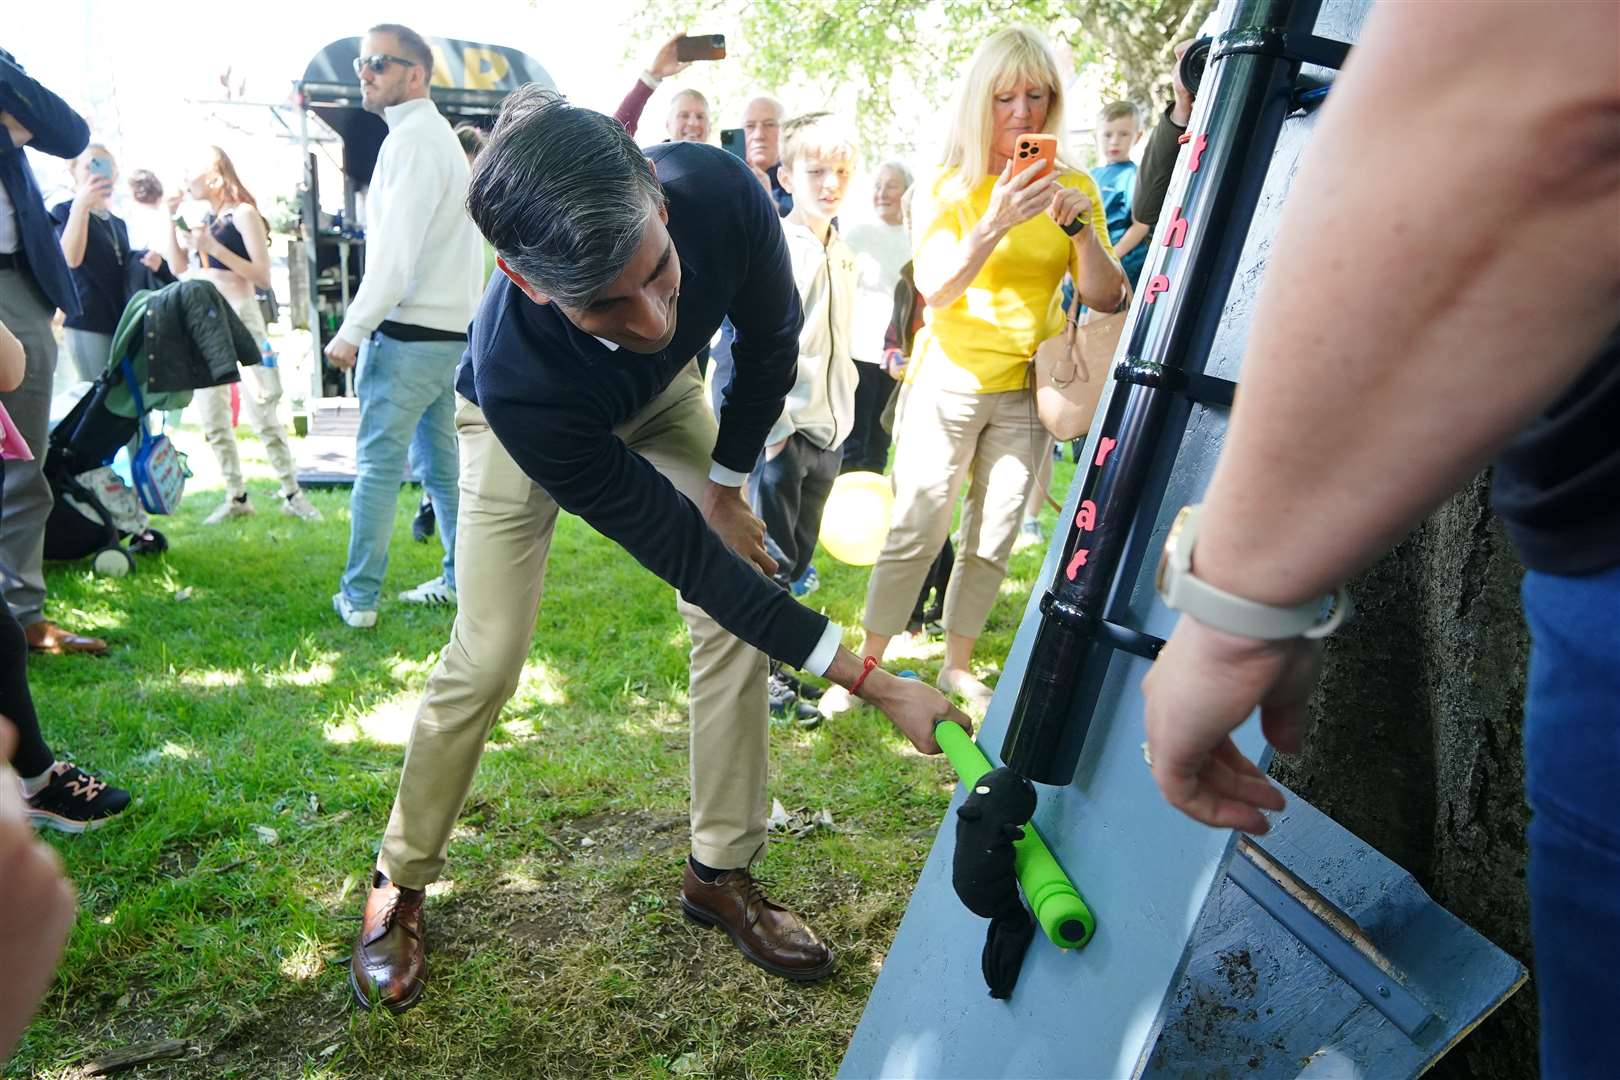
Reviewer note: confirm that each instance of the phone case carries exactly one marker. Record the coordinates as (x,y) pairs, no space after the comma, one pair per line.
(1032,149)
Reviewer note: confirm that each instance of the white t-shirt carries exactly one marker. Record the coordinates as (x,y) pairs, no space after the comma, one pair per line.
(880,251)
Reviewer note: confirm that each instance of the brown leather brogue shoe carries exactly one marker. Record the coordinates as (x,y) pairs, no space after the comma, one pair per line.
(387,965)
(45,636)
(766,933)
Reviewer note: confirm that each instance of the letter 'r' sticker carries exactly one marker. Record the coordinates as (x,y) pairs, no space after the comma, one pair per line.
(1105,446)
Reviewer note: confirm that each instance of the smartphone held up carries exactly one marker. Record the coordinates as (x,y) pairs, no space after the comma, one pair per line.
(1038,152)
(701,47)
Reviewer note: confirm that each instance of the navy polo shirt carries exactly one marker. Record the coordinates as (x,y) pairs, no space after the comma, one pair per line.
(552,394)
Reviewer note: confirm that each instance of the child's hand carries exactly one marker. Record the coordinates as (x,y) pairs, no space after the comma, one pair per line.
(894,363)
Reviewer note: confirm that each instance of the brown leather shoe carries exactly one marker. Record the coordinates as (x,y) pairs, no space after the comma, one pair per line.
(766,933)
(387,964)
(46,636)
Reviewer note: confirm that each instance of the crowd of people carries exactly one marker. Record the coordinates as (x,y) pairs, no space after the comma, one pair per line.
(564,380)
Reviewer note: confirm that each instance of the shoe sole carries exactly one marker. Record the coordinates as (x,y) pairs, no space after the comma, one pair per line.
(47,820)
(703,918)
(365,1002)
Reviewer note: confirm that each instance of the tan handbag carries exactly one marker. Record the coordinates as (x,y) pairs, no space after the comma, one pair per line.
(1070,370)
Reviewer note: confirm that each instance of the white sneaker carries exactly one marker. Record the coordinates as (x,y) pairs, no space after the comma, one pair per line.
(298,505)
(231,507)
(1029,535)
(436,591)
(360,620)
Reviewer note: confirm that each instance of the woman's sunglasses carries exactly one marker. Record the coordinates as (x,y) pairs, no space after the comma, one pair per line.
(378,63)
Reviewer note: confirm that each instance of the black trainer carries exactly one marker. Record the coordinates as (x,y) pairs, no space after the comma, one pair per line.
(74,801)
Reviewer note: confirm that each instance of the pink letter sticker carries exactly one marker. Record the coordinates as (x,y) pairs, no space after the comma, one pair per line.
(1156,285)
(1104,446)
(1086,519)
(1175,233)
(1198,147)
(1077,562)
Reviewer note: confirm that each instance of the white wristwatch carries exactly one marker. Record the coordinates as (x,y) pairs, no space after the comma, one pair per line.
(1183,592)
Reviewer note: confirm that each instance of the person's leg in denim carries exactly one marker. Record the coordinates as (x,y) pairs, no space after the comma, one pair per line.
(397,382)
(773,490)
(1572,777)
(434,453)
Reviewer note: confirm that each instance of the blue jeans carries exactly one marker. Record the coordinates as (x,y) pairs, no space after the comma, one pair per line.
(789,493)
(1572,776)
(407,406)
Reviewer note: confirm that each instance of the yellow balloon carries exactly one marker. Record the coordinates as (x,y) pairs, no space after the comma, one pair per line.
(856,520)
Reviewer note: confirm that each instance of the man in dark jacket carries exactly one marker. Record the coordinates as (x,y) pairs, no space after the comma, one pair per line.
(34,282)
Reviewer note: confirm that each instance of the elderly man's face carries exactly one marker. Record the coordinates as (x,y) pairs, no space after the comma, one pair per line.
(762,133)
(688,119)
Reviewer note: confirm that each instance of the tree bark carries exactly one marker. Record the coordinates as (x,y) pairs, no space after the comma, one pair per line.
(1415,742)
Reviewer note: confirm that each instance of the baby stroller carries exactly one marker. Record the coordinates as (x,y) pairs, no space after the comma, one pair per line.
(95,511)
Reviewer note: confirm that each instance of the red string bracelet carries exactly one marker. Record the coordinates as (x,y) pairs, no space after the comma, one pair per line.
(867,667)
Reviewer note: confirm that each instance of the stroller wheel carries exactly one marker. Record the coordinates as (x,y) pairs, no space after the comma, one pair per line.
(112,562)
(150,542)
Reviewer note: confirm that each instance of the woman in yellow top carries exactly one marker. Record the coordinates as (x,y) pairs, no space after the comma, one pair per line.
(989,257)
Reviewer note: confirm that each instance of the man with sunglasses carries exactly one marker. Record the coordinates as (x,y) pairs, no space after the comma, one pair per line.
(407,324)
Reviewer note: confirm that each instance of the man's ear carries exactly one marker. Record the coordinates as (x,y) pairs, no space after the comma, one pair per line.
(518,279)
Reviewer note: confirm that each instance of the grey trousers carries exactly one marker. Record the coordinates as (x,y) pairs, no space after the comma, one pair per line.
(27,500)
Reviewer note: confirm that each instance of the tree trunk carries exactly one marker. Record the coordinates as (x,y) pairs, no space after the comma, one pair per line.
(1416,742)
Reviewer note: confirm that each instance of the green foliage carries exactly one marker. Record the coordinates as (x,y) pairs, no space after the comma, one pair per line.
(895,55)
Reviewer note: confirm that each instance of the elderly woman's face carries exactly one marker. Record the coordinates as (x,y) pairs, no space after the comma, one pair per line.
(1014,111)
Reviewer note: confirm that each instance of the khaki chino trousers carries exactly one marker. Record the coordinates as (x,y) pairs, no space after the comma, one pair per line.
(503,537)
(943,439)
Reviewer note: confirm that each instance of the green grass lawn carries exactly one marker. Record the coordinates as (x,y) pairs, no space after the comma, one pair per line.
(262,739)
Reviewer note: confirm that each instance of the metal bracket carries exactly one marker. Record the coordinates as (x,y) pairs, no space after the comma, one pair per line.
(1305,48)
(1210,390)
(1329,933)
(1113,635)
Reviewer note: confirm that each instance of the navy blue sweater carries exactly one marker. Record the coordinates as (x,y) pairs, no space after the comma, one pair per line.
(58,131)
(100,278)
(553,394)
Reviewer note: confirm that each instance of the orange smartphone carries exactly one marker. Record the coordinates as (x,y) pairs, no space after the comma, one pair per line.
(1034,151)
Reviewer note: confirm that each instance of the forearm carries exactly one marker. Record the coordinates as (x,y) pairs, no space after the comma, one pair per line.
(13,360)
(1359,415)
(1134,235)
(74,234)
(629,111)
(1101,281)
(943,285)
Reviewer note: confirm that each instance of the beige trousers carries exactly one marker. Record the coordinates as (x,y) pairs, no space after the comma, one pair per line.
(261,398)
(942,439)
(503,534)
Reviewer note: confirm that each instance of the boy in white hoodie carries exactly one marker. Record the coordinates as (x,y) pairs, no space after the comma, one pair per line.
(796,469)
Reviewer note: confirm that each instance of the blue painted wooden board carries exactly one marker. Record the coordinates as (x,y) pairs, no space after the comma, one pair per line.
(1256,1003)
(1144,869)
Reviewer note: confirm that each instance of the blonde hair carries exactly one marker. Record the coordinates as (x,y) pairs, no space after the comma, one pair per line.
(819,133)
(1005,59)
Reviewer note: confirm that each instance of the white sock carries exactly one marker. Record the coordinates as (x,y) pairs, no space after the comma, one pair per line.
(33,785)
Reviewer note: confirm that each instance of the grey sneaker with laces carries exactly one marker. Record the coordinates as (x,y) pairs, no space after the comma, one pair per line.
(233,506)
(298,505)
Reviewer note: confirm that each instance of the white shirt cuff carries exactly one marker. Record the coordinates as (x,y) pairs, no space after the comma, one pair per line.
(352,334)
(826,650)
(727,477)
(650,80)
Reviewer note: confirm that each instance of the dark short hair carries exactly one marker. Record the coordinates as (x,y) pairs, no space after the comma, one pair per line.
(472,138)
(145,186)
(411,43)
(562,194)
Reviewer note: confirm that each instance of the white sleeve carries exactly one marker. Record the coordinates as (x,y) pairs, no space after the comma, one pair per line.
(411,186)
